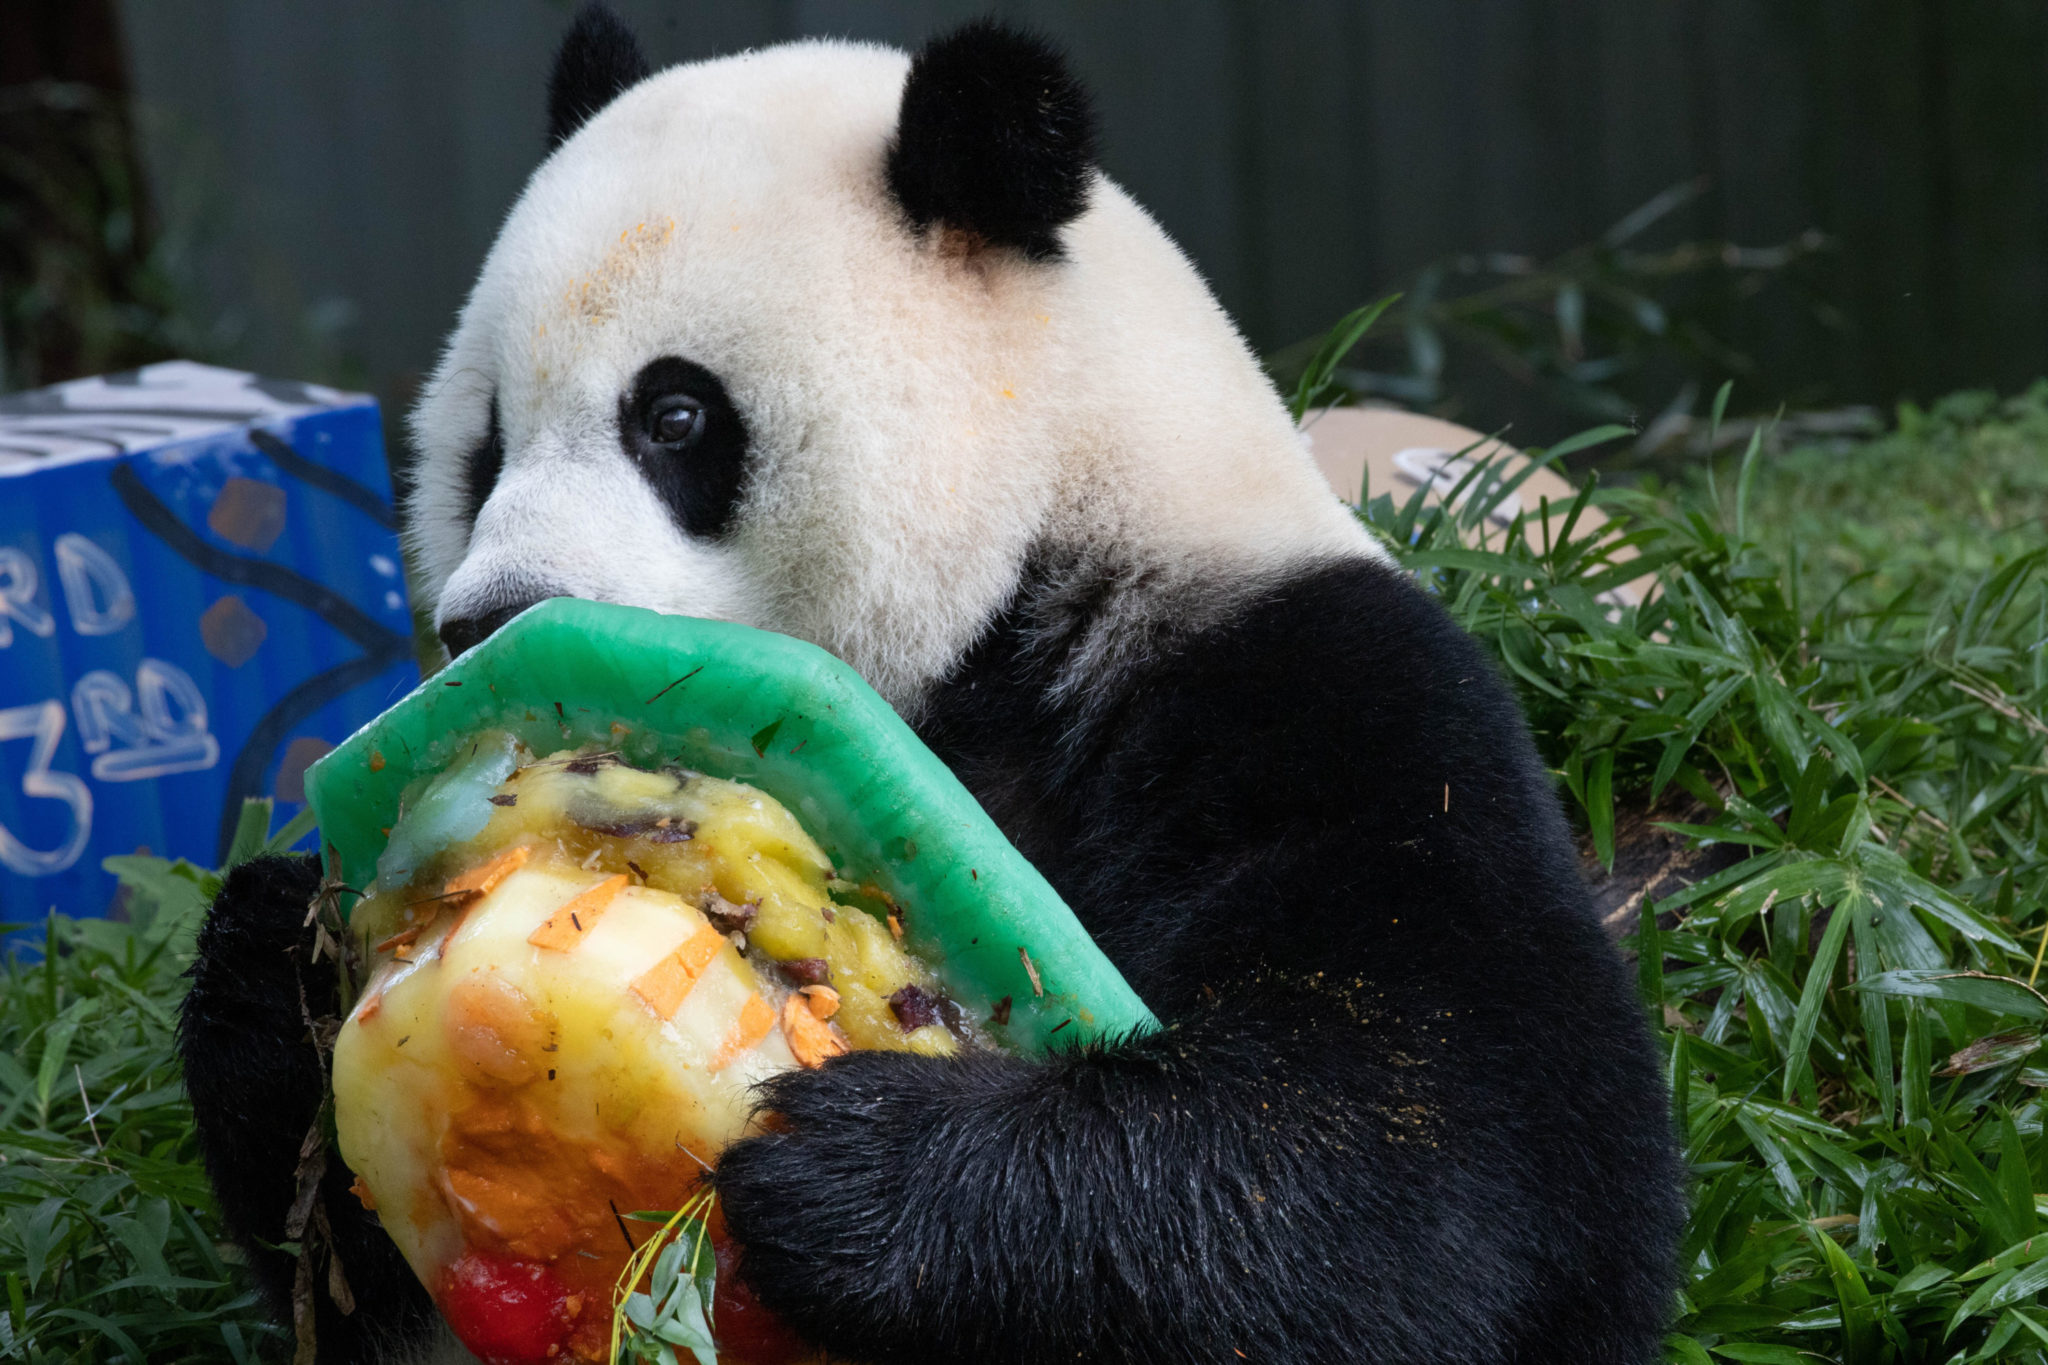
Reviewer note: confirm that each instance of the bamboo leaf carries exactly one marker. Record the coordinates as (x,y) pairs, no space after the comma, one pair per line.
(1798,1067)
(2001,995)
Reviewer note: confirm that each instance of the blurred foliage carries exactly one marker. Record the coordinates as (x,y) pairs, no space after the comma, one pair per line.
(83,289)
(1610,331)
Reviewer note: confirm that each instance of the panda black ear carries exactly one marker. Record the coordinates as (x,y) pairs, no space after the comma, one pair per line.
(598,60)
(995,138)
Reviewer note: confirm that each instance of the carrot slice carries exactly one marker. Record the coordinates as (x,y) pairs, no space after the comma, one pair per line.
(811,1040)
(564,929)
(756,1018)
(701,947)
(666,984)
(483,879)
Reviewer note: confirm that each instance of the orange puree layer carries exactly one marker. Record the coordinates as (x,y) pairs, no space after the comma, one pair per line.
(519,1189)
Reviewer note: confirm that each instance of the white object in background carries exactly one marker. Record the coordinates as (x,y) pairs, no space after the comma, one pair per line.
(1386,450)
(1441,472)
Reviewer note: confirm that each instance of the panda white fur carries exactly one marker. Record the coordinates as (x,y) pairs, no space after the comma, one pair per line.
(861,348)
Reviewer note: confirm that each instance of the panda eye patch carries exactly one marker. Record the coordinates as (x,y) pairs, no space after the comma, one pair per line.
(677,421)
(482,467)
(684,434)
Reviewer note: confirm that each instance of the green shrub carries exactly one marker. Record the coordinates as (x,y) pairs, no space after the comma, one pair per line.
(1849,1013)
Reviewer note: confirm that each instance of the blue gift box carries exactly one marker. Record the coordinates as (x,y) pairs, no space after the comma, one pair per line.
(200,594)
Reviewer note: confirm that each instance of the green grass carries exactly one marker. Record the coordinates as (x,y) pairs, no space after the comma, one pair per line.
(1841,678)
(1952,491)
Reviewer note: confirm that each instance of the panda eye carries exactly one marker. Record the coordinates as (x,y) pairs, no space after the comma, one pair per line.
(676,421)
(682,431)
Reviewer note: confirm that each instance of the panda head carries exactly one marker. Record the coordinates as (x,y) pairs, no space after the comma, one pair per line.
(831,340)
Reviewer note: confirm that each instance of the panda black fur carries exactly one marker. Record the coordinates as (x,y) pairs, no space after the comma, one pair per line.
(864,350)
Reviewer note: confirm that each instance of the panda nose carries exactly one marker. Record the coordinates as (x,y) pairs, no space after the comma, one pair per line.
(466,632)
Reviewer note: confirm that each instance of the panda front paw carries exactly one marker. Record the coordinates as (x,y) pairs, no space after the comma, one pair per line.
(846,1207)
(251,1068)
(256,1081)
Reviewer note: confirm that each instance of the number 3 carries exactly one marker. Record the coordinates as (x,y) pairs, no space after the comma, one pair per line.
(44,723)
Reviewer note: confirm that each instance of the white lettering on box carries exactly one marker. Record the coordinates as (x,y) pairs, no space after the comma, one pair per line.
(18,583)
(165,734)
(43,723)
(96,592)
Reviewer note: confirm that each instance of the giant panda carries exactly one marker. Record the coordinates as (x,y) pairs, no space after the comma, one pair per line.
(862,347)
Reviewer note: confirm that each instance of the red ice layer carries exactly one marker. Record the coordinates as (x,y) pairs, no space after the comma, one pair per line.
(505,1311)
(512,1312)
